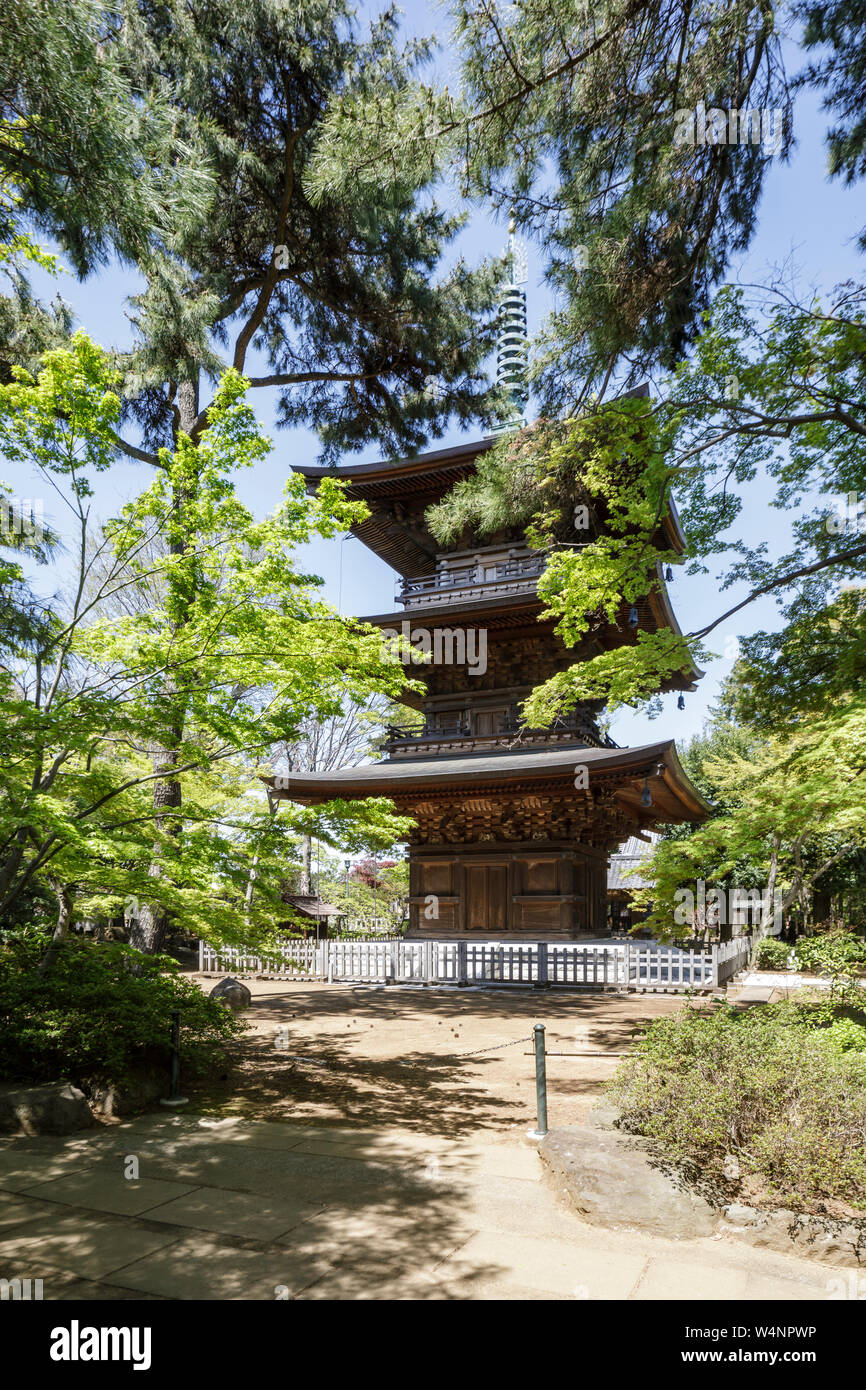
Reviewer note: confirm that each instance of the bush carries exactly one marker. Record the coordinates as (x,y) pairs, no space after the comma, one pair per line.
(772,954)
(101,1014)
(834,953)
(782,1089)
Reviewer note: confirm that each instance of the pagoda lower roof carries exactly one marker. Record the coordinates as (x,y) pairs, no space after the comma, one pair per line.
(510,772)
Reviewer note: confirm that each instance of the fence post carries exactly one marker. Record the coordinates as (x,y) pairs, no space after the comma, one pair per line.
(541,980)
(200,956)
(540,1084)
(462,967)
(428,961)
(714,975)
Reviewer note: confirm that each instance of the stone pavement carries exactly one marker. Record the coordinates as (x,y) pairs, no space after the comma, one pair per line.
(240,1209)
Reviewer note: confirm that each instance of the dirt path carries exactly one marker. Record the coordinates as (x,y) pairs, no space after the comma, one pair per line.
(398,1167)
(418,1059)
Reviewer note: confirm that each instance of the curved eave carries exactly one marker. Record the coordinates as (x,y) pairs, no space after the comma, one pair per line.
(387,478)
(675,799)
(660,603)
(672,529)
(507,611)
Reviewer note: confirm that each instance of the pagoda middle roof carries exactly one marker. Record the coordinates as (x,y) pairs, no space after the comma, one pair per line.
(522,611)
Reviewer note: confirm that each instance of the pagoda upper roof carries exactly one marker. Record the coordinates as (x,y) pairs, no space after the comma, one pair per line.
(675,799)
(426,478)
(392,477)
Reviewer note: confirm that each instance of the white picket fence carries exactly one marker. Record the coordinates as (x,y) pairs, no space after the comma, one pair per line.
(376,926)
(634,965)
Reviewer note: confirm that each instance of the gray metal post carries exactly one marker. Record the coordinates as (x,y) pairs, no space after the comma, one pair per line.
(175,1053)
(540,1084)
(174,1097)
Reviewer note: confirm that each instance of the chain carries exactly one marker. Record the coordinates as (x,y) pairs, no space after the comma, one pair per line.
(497,1047)
(432,1062)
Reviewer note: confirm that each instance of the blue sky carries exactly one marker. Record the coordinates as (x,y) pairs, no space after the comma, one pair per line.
(805,221)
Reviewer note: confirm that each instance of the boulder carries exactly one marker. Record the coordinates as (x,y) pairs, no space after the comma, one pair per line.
(619,1180)
(55,1108)
(613,1179)
(130,1096)
(231,992)
(824,1238)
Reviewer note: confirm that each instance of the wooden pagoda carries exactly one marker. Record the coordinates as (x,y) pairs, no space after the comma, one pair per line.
(513,825)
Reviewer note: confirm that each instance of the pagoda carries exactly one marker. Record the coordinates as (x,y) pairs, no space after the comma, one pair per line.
(513,825)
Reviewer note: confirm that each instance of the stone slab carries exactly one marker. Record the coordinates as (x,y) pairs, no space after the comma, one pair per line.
(202,1268)
(667,1279)
(548,1266)
(14,1211)
(92,1247)
(106,1189)
(236,1213)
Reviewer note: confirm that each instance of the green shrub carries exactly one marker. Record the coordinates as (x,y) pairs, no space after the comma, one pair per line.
(772,954)
(102,1013)
(833,953)
(782,1089)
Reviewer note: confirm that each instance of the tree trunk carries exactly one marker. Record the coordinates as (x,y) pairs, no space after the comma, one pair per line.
(769,911)
(64,918)
(148,928)
(306,860)
(822,905)
(253,873)
(148,931)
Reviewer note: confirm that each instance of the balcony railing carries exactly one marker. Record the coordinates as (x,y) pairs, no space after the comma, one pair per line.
(406,739)
(404,733)
(484,581)
(568,724)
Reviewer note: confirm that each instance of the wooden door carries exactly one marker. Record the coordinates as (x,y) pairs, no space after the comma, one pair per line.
(486,905)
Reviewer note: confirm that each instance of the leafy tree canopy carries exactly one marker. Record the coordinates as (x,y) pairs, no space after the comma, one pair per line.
(590,122)
(235,652)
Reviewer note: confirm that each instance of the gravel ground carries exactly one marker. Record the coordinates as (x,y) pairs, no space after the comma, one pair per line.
(421,1059)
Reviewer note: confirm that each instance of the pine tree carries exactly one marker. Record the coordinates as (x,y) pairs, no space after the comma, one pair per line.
(87,155)
(343,299)
(838,31)
(616,133)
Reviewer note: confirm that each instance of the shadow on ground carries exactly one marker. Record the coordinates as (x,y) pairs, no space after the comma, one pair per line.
(229,1210)
(438,1062)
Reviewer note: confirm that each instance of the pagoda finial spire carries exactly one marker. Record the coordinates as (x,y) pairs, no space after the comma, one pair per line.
(511,367)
